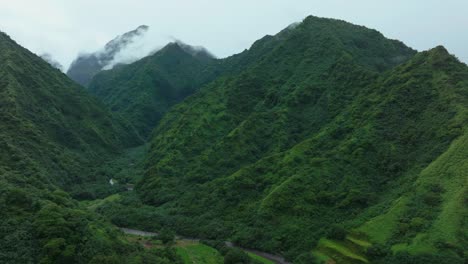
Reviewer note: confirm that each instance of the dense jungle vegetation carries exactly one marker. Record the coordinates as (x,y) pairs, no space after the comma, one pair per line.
(324,143)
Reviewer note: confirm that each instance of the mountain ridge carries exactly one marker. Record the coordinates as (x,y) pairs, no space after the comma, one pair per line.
(154,83)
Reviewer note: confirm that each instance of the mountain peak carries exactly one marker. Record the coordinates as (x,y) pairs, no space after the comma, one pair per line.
(5,39)
(120,42)
(86,66)
(142,27)
(195,51)
(438,57)
(440,48)
(439,51)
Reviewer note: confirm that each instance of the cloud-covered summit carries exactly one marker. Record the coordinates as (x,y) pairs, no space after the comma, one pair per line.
(85,66)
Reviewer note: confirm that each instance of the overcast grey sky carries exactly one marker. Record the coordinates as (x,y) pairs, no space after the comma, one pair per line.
(64,28)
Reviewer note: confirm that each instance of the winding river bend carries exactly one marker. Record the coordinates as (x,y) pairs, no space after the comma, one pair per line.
(275,258)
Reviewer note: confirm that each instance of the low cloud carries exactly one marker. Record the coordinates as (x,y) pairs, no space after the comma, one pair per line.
(49,59)
(139,47)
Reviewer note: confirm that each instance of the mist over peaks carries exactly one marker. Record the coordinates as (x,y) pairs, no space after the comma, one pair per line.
(49,59)
(85,66)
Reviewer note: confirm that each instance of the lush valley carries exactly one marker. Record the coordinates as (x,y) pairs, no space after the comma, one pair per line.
(325,143)
(52,135)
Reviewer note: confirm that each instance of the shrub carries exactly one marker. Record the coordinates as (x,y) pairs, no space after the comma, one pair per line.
(166,236)
(337,232)
(306,258)
(417,223)
(378,251)
(236,256)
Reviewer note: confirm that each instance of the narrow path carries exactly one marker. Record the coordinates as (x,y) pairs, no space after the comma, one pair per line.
(137,232)
(275,258)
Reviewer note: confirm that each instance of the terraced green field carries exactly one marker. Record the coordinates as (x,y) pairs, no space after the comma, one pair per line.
(351,250)
(196,253)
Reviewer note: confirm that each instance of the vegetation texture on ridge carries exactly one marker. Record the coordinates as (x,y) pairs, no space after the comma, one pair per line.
(143,91)
(330,124)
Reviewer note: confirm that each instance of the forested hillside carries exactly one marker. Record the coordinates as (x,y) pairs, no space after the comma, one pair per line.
(143,91)
(52,121)
(52,135)
(324,143)
(333,124)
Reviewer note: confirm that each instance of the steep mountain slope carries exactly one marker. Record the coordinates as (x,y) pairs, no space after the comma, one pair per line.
(85,66)
(57,121)
(319,129)
(52,134)
(143,91)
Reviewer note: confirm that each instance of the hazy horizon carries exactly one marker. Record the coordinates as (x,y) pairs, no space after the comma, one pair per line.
(64,30)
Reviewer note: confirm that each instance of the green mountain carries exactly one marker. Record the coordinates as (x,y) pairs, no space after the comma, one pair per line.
(143,91)
(52,134)
(325,130)
(325,143)
(48,119)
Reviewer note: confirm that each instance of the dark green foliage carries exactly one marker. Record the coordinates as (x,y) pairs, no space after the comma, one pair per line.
(167,236)
(124,170)
(336,232)
(236,256)
(378,252)
(130,212)
(46,226)
(306,258)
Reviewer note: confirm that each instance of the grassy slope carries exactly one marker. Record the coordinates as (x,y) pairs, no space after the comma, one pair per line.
(193,253)
(429,216)
(446,174)
(449,225)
